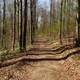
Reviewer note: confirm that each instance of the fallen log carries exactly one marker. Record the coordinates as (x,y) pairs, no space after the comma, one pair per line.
(25,58)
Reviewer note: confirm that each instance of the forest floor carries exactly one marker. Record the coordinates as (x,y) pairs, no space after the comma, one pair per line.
(45,63)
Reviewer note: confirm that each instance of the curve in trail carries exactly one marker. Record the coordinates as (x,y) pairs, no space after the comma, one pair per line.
(41,46)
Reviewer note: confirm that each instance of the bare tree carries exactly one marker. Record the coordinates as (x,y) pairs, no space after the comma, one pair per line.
(25,24)
(33,19)
(21,27)
(4,21)
(14,28)
(78,40)
(18,12)
(61,22)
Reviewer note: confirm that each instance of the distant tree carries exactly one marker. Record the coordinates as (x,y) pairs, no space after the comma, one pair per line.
(52,14)
(0,23)
(61,19)
(11,23)
(52,11)
(4,21)
(18,18)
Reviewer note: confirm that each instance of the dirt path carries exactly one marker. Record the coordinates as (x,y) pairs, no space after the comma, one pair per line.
(63,70)
(42,70)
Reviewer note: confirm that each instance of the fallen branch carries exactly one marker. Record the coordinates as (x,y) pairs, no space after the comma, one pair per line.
(25,58)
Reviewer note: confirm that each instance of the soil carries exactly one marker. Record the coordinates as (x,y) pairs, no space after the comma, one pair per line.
(67,69)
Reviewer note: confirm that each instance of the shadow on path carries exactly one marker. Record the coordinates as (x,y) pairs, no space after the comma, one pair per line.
(51,51)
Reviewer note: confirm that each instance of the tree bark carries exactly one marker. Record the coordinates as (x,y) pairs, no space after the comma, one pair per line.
(21,28)
(33,20)
(61,19)
(25,24)
(14,28)
(78,40)
(4,31)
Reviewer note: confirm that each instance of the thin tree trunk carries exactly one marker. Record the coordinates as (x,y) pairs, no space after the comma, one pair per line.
(14,29)
(33,20)
(18,28)
(50,17)
(0,19)
(21,29)
(4,32)
(78,40)
(25,24)
(61,19)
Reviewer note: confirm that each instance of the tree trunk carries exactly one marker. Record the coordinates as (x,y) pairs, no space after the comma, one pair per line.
(21,29)
(33,20)
(61,19)
(14,28)
(25,24)
(18,28)
(78,40)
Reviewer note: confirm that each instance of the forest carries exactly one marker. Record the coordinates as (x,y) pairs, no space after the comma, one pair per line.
(39,39)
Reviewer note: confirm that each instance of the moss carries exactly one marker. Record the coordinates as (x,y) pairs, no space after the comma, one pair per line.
(76,57)
(8,55)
